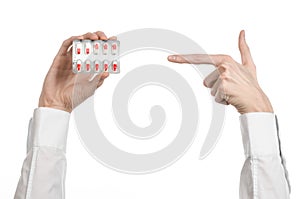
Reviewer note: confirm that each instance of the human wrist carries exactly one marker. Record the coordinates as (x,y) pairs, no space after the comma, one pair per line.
(55,104)
(261,104)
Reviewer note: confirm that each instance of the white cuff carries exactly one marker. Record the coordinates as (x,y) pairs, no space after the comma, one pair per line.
(48,127)
(259,132)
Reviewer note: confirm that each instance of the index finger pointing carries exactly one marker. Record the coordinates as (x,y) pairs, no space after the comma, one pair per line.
(197,59)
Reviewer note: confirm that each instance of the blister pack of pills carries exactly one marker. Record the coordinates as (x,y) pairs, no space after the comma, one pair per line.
(96,56)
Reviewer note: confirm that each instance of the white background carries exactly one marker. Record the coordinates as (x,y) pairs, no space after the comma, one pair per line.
(32,31)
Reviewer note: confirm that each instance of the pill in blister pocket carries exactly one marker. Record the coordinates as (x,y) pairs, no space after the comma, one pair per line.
(115,66)
(97,66)
(78,48)
(114,48)
(87,65)
(78,65)
(105,65)
(105,48)
(87,47)
(96,47)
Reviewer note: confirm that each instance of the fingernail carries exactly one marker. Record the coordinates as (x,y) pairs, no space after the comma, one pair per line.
(172,57)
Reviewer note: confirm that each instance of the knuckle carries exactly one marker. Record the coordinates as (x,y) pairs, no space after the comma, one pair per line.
(223,66)
(224,76)
(73,38)
(87,34)
(67,40)
(227,58)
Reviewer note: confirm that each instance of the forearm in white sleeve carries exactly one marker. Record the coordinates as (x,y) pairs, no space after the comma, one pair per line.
(264,175)
(43,171)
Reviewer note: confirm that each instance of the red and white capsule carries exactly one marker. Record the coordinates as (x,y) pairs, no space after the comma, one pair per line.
(96,47)
(97,66)
(105,65)
(87,48)
(78,65)
(114,66)
(87,65)
(78,48)
(114,48)
(105,48)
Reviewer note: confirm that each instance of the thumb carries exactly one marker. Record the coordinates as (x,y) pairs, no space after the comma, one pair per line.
(244,49)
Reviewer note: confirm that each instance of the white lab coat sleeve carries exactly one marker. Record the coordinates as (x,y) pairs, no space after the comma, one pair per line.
(43,171)
(264,175)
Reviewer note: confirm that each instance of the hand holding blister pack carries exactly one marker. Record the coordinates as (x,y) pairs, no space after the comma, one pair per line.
(96,56)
